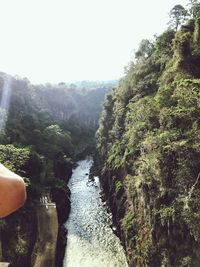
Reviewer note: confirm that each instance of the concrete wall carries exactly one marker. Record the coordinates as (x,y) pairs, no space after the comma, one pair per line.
(45,247)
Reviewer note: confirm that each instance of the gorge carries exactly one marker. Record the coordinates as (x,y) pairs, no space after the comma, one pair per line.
(144,183)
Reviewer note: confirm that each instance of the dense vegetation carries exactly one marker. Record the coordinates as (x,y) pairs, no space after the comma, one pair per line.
(149,147)
(43,130)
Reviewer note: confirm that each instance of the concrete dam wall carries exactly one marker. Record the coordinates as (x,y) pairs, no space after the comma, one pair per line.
(45,247)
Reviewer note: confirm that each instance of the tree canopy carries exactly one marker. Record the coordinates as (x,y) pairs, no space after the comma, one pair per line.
(177,16)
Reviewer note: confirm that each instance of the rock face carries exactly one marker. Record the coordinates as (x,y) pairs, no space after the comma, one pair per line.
(149,154)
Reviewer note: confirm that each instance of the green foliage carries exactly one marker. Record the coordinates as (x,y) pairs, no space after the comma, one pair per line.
(196,37)
(56,140)
(164,46)
(145,49)
(14,158)
(149,140)
(129,224)
(194,9)
(115,158)
(118,186)
(177,15)
(186,262)
(165,214)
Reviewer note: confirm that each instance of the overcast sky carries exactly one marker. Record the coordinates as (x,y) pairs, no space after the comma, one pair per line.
(67,40)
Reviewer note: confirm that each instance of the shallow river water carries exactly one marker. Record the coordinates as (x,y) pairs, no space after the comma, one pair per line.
(90,240)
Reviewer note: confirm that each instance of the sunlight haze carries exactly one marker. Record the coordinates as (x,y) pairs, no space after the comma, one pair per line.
(67,40)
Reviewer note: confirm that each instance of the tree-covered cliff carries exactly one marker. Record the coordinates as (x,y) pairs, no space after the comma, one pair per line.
(149,150)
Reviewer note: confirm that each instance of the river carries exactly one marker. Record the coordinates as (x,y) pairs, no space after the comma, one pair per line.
(90,240)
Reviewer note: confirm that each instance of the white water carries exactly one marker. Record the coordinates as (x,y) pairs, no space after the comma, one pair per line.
(90,240)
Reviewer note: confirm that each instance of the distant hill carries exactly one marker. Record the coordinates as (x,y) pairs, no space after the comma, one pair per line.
(92,85)
(79,103)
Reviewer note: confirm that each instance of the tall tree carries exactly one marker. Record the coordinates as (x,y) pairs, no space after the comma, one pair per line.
(145,49)
(177,16)
(194,9)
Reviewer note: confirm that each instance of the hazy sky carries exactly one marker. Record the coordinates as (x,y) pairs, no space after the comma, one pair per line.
(66,40)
